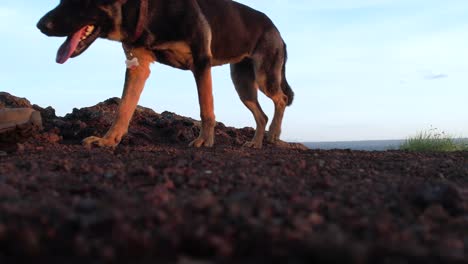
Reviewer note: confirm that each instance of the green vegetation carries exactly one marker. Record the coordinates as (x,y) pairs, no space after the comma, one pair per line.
(433,140)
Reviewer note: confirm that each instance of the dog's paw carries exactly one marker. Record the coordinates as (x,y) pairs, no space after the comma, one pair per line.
(99,142)
(278,143)
(202,142)
(272,138)
(253,144)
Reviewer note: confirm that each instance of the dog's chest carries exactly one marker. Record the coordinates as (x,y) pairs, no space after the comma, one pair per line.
(176,54)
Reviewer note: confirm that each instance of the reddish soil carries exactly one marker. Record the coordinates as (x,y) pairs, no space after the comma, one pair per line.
(154,200)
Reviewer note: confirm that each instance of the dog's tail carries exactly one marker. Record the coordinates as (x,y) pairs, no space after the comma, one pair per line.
(284,83)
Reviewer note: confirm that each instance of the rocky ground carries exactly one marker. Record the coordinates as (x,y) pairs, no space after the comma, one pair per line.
(154,200)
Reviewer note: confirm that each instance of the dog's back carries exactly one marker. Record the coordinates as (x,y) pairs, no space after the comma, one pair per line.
(236,28)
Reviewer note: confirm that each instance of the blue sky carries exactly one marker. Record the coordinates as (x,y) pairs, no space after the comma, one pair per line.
(361,69)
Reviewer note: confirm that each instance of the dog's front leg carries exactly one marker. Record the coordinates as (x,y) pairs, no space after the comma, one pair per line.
(202,73)
(135,80)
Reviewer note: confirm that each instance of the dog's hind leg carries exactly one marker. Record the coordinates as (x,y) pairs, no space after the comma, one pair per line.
(243,77)
(134,83)
(269,60)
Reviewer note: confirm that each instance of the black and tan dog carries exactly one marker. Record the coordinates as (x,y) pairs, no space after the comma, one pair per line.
(187,34)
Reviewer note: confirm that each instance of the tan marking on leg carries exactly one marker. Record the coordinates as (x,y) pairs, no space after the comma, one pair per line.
(205,97)
(261,120)
(134,83)
(280,101)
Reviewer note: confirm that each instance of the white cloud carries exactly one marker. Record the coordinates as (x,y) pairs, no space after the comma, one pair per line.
(435,76)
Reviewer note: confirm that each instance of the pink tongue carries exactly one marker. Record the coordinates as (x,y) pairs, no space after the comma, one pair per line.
(69,46)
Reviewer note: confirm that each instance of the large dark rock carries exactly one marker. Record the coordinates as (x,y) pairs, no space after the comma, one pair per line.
(146,128)
(18,120)
(10,101)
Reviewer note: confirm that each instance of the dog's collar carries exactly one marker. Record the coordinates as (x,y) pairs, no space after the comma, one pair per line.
(142,17)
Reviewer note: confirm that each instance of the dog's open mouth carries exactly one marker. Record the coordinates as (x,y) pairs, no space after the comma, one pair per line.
(77,43)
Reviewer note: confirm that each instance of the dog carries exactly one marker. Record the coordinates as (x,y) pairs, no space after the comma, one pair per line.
(193,35)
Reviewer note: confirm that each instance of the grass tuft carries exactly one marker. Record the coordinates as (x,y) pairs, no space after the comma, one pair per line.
(434,140)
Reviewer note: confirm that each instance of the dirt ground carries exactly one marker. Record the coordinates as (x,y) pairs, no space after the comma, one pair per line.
(154,200)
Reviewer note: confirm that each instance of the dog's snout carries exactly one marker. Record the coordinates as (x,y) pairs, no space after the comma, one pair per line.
(45,25)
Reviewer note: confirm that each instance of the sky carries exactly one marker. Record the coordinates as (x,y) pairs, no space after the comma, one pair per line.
(360,69)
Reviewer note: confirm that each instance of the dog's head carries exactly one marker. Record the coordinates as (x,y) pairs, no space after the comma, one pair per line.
(81,21)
